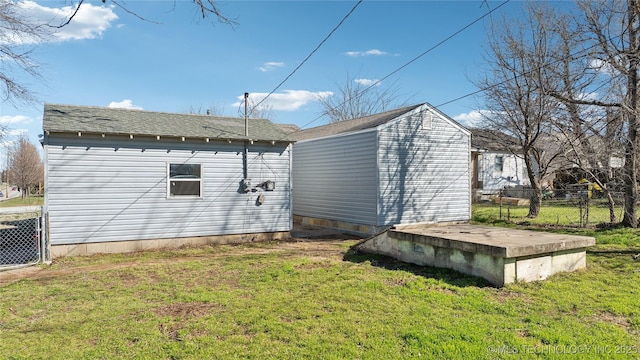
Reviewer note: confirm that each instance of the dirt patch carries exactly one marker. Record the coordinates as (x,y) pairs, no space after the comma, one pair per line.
(320,245)
(187,310)
(617,320)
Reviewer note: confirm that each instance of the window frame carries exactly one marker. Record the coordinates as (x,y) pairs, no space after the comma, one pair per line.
(200,180)
(499,163)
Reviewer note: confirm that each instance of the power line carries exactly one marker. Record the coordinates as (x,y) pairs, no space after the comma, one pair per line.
(437,45)
(310,54)
(574,56)
(257,156)
(416,58)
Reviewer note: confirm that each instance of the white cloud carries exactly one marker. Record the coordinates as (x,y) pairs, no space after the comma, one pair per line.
(124,104)
(473,118)
(7,119)
(367,82)
(288,100)
(270,66)
(602,67)
(15,133)
(89,22)
(374,52)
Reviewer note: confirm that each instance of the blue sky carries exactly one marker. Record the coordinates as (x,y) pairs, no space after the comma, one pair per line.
(177,61)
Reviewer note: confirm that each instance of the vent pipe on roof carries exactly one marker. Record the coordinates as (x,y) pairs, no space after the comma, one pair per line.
(246,114)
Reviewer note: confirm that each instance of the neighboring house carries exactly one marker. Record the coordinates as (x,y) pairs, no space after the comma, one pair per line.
(123,180)
(409,165)
(598,156)
(495,162)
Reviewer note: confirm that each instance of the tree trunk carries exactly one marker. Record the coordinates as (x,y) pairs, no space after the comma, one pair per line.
(535,201)
(630,183)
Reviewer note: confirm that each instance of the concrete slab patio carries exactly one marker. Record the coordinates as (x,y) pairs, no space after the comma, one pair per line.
(499,255)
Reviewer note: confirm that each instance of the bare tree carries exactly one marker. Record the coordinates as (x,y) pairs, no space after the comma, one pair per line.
(25,168)
(613,27)
(205,8)
(513,96)
(358,97)
(610,31)
(17,30)
(590,66)
(210,110)
(590,134)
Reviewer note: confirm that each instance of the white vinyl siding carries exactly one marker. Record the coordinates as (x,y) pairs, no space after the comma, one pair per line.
(335,178)
(424,172)
(512,172)
(406,170)
(113,190)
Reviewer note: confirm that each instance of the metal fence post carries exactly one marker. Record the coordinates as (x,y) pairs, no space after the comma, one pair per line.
(586,210)
(43,236)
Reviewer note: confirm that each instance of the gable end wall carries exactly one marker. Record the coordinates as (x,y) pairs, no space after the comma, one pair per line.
(424,173)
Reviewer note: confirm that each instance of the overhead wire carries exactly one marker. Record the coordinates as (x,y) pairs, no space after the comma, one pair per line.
(258,156)
(414,59)
(309,56)
(577,55)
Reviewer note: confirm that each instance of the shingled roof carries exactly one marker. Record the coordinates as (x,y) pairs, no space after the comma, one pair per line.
(345,126)
(103,120)
(492,140)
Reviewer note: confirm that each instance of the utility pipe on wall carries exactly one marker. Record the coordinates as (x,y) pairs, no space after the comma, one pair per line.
(245,155)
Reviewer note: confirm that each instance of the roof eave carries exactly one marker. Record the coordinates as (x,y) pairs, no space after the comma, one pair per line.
(48,132)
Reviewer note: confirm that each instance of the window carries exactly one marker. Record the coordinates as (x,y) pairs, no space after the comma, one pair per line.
(185,180)
(499,163)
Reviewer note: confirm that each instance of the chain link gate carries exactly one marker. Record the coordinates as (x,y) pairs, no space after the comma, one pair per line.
(21,240)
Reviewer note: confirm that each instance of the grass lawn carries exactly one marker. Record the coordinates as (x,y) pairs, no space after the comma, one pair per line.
(28,201)
(301,300)
(551,213)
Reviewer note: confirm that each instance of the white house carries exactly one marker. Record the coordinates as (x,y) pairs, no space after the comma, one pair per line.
(409,165)
(495,162)
(124,180)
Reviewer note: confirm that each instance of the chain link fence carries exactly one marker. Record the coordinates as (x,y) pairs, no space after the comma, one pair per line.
(21,241)
(576,206)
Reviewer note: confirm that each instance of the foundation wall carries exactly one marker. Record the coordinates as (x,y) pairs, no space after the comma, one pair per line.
(497,270)
(142,245)
(358,229)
